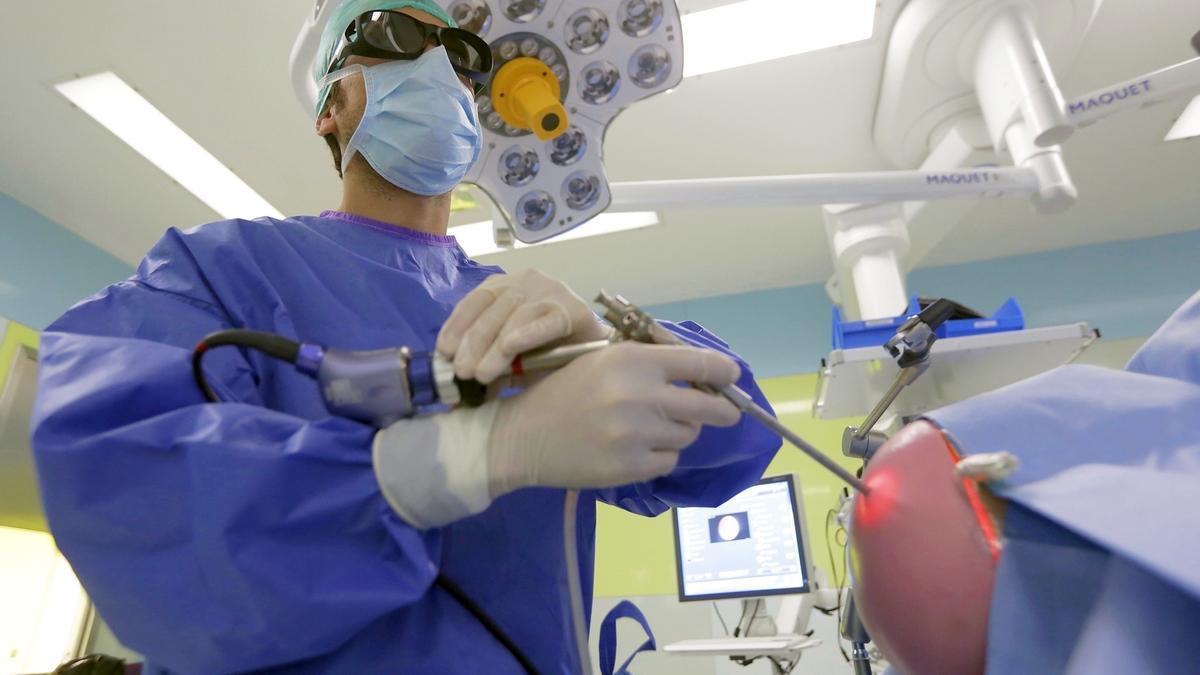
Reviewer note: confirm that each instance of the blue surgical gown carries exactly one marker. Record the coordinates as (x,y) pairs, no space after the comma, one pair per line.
(252,534)
(1101,565)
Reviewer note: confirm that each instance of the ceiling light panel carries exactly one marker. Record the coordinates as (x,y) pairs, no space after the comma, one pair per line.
(753,31)
(119,108)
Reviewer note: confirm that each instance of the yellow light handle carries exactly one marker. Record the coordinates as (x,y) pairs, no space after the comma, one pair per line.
(525,93)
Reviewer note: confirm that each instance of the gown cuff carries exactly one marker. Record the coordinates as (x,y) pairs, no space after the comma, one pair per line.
(434,470)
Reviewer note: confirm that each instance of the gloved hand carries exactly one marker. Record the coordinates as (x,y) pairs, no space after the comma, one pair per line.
(610,418)
(510,314)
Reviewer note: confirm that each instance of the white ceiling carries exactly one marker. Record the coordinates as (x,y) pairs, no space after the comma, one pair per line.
(219,70)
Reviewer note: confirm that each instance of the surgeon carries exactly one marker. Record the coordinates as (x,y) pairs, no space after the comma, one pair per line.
(263,533)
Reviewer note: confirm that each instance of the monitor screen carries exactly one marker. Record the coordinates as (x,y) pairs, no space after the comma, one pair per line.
(749,546)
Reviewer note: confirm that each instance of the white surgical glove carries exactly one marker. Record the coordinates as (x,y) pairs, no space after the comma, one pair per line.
(610,418)
(510,314)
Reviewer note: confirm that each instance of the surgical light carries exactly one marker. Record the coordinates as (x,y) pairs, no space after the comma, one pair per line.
(544,168)
(477,239)
(1188,125)
(133,119)
(753,31)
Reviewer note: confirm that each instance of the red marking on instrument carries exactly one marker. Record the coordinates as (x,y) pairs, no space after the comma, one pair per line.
(979,509)
(518,368)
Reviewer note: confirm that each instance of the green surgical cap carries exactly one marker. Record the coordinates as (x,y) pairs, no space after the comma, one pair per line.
(345,15)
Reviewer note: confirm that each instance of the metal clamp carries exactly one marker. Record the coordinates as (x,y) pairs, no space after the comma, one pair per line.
(631,322)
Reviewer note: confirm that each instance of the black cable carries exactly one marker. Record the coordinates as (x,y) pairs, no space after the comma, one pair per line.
(737,630)
(759,604)
(779,666)
(718,611)
(268,343)
(829,516)
(497,632)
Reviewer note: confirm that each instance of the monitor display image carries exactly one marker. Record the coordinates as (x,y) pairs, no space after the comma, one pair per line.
(750,546)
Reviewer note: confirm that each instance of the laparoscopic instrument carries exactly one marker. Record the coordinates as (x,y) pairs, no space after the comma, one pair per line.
(382,386)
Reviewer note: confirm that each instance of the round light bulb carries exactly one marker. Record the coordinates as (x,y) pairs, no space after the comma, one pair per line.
(535,211)
(472,15)
(568,148)
(581,190)
(523,11)
(586,31)
(639,18)
(650,66)
(599,82)
(519,166)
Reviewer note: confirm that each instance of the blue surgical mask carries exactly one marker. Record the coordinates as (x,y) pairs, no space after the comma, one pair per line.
(420,127)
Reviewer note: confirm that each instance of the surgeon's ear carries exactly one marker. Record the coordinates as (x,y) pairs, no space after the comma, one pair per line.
(326,124)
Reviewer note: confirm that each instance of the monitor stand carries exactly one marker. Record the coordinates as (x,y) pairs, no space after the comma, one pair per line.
(795,610)
(790,619)
(787,626)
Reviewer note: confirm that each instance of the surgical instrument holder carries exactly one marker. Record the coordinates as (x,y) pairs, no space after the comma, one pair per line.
(910,347)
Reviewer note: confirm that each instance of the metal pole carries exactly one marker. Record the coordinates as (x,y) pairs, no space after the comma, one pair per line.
(1138,92)
(821,189)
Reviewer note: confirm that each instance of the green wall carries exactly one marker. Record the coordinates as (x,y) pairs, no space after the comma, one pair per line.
(651,571)
(20,505)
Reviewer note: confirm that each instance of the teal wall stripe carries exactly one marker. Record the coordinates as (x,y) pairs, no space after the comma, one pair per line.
(45,268)
(1126,289)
